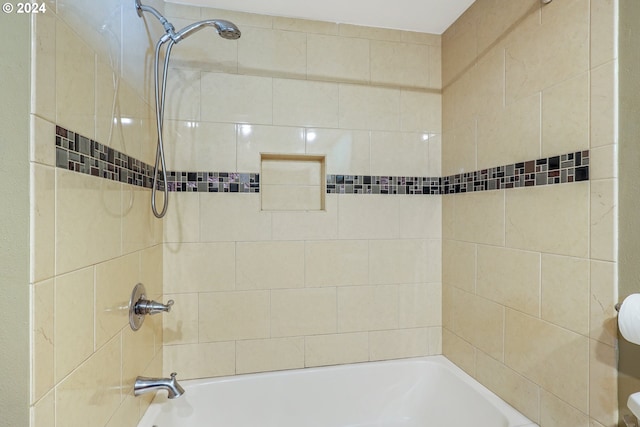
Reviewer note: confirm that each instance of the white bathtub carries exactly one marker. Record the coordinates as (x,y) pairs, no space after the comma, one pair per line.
(422,392)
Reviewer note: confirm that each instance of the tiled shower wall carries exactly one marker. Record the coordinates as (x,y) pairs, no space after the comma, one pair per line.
(529,275)
(266,290)
(92,239)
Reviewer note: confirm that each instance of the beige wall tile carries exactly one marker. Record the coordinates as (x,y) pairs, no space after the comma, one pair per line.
(335,349)
(421,261)
(565,117)
(565,292)
(420,111)
(291,198)
(150,271)
(138,350)
(555,413)
(603,33)
(43,57)
(370,217)
(459,265)
(269,265)
(480,217)
(604,111)
(462,35)
(385,57)
(43,345)
(269,355)
(480,322)
(603,298)
(509,277)
(604,220)
(91,394)
(603,383)
(435,155)
(43,412)
(190,267)
(272,52)
(395,154)
(42,150)
(510,135)
(73,322)
(566,231)
(42,222)
(225,217)
(484,92)
(366,308)
(336,263)
(459,352)
(127,414)
(235,98)
(226,316)
(309,311)
(365,107)
(199,146)
(181,326)
(140,228)
(603,162)
(532,344)
(253,140)
(184,92)
(422,38)
(74,74)
(305,103)
(435,66)
(551,53)
(420,217)
(309,225)
(176,10)
(337,58)
(448,217)
(200,360)
(459,148)
(346,151)
(435,340)
(419,305)
(182,221)
(115,280)
(384,345)
(93,206)
(515,389)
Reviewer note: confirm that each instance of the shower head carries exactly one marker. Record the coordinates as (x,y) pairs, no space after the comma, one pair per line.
(226,30)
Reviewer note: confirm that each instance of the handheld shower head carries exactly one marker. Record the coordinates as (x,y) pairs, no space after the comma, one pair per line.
(225,29)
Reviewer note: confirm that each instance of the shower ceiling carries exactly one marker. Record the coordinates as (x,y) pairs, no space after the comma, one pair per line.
(429,16)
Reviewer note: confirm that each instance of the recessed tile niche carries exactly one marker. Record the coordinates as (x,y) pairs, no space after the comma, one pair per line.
(292,182)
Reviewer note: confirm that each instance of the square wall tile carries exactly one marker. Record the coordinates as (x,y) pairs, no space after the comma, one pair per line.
(385,345)
(199,267)
(272,52)
(365,107)
(233,98)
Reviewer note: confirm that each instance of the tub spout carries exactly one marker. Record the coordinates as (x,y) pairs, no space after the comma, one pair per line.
(147,385)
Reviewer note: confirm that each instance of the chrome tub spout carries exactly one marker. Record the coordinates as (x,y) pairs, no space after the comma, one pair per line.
(147,385)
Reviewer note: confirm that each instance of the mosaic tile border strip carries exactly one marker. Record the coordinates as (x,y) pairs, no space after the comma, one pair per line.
(77,153)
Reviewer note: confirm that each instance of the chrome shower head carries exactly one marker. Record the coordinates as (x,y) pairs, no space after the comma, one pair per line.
(226,30)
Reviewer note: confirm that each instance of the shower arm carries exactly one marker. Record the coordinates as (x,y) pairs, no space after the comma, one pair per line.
(168,27)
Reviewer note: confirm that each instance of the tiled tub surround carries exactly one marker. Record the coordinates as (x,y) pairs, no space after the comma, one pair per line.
(77,153)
